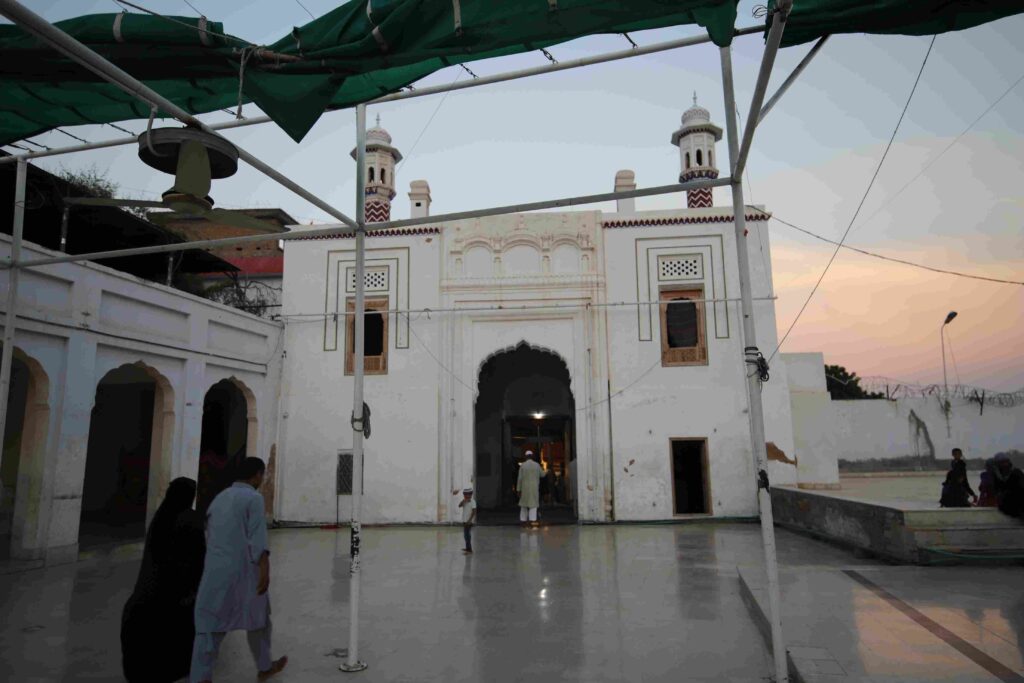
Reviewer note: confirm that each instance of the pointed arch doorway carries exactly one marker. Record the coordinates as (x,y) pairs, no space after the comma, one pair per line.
(524,403)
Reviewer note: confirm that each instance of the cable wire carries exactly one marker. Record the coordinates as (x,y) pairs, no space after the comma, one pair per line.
(193,8)
(892,259)
(299,3)
(73,137)
(856,213)
(181,23)
(458,75)
(946,149)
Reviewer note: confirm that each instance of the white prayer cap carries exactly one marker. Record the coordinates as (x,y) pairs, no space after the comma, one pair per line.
(468,489)
(529,452)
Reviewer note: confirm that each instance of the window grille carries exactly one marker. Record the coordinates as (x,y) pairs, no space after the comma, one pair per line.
(689,267)
(375,280)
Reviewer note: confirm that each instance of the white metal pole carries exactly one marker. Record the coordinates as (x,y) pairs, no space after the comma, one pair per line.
(352,662)
(774,99)
(945,382)
(757,438)
(11,312)
(771,49)
(62,42)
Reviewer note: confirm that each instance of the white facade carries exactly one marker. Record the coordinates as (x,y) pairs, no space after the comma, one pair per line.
(550,282)
(77,322)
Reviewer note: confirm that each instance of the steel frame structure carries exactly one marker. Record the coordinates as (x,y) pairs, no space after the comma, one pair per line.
(739,148)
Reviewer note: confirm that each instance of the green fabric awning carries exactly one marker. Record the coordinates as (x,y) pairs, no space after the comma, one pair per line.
(812,19)
(367,48)
(357,52)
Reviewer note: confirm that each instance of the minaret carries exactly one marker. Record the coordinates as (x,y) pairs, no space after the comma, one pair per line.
(696,142)
(381,159)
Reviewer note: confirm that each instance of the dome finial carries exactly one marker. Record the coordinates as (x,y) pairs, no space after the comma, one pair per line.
(378,115)
(694,98)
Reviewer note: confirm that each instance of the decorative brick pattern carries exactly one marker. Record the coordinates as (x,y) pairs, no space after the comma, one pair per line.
(378,211)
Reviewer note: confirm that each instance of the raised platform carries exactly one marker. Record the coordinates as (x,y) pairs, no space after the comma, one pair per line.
(902,533)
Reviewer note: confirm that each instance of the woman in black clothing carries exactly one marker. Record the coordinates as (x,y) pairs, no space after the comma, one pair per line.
(157,626)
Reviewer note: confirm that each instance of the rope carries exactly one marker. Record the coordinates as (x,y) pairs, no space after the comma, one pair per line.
(247,52)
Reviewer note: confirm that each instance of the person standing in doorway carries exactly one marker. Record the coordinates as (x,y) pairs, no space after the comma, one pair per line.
(233,591)
(468,506)
(528,486)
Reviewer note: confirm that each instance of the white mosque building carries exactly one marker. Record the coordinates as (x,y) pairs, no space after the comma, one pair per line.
(610,343)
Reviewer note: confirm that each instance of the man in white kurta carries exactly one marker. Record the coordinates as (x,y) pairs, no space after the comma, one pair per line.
(236,575)
(528,485)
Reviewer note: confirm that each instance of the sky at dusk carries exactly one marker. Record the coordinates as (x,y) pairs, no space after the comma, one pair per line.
(566,134)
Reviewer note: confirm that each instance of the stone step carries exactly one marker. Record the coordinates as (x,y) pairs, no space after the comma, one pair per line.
(962,517)
(972,555)
(967,537)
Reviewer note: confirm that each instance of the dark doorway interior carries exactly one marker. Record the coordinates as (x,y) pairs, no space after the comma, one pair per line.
(13,432)
(117,459)
(689,476)
(525,403)
(223,442)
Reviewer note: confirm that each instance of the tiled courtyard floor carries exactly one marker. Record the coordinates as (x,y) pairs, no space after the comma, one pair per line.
(567,603)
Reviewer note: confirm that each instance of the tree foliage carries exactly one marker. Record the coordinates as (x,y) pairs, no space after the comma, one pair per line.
(92,182)
(844,385)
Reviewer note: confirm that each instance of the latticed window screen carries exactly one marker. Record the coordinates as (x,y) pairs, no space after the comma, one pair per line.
(345,473)
(376,279)
(690,267)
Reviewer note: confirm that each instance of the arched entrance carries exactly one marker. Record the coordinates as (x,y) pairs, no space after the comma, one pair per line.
(229,427)
(24,444)
(524,402)
(127,467)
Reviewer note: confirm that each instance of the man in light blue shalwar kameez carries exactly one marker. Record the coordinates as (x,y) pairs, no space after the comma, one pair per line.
(233,591)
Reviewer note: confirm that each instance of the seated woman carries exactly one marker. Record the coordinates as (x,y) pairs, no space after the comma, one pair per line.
(157,625)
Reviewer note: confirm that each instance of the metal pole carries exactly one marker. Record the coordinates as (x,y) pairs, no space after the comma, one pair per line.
(62,42)
(11,311)
(352,663)
(945,384)
(421,92)
(335,230)
(771,49)
(774,99)
(757,438)
(65,216)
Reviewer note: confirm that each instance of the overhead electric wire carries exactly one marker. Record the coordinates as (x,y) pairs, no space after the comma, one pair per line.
(181,23)
(73,137)
(856,213)
(955,140)
(444,97)
(123,130)
(299,3)
(893,259)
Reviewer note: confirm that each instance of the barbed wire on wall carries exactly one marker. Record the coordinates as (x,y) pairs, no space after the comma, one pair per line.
(893,389)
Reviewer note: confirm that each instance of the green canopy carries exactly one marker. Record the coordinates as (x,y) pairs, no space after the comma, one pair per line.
(367,48)
(812,19)
(357,52)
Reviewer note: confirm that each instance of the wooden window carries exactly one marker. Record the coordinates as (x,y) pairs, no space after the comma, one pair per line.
(683,339)
(375,337)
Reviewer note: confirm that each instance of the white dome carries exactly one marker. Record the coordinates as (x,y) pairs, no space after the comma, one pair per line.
(696,115)
(378,135)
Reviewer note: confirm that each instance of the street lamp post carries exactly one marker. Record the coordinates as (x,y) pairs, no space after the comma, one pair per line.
(942,340)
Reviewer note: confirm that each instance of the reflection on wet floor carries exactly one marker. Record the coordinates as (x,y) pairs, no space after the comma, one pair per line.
(590,603)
